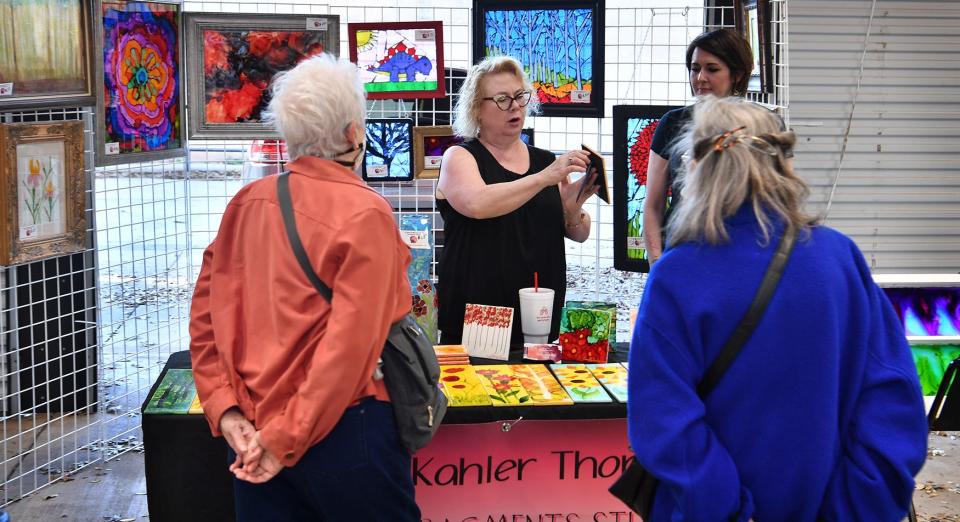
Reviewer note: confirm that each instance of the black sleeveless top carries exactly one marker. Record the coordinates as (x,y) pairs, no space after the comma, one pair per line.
(488,261)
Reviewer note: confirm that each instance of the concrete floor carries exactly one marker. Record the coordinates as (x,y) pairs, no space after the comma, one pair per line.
(115,491)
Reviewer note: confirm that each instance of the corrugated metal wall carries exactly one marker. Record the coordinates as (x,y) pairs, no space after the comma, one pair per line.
(898,193)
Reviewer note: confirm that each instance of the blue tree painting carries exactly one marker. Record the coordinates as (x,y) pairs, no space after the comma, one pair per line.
(389,155)
(557,47)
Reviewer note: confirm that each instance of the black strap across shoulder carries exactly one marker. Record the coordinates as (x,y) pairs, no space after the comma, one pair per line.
(290,224)
(749,322)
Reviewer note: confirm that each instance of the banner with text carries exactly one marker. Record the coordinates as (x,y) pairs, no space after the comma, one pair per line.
(538,471)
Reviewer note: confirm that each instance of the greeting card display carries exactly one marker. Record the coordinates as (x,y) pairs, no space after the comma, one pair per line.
(542,352)
(582,386)
(542,386)
(486,331)
(613,377)
(585,335)
(462,386)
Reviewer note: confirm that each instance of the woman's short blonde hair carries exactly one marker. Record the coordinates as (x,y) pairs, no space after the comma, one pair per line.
(313,104)
(466,120)
(740,154)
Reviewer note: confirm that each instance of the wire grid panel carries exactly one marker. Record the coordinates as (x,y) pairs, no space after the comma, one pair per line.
(49,363)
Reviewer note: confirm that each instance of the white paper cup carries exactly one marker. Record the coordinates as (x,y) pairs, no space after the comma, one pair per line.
(536,313)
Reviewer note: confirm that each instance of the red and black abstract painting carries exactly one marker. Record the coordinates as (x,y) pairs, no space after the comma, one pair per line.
(239,65)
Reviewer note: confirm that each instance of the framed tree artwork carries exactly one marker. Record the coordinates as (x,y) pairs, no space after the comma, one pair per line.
(389,152)
(558,42)
(633,128)
(398,59)
(231,60)
(48,71)
(752,19)
(140,106)
(429,144)
(44,191)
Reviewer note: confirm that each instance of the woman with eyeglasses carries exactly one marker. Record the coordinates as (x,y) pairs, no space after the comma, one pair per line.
(820,415)
(719,63)
(506,206)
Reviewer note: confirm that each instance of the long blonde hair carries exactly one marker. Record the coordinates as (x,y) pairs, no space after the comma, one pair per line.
(740,154)
(466,122)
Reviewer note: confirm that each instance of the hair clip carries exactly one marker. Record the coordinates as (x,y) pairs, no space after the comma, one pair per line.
(727,139)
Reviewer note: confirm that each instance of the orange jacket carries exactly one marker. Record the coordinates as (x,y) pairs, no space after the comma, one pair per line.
(264,340)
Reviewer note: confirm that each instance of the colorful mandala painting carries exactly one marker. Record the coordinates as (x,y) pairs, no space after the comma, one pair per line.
(141,73)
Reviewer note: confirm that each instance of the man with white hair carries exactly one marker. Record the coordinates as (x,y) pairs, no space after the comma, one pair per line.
(284,375)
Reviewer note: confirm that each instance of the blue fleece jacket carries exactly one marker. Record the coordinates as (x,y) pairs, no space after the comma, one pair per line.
(819,418)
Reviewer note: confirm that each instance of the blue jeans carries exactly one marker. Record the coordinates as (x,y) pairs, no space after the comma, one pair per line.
(357,472)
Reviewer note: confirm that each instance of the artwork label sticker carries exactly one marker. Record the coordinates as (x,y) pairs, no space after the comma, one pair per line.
(432,162)
(28,232)
(112,148)
(376,171)
(579,96)
(6,89)
(635,242)
(418,239)
(425,35)
(316,24)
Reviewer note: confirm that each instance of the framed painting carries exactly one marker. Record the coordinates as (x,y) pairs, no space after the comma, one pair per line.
(558,42)
(752,19)
(231,60)
(140,107)
(42,209)
(429,144)
(389,152)
(398,60)
(48,71)
(633,128)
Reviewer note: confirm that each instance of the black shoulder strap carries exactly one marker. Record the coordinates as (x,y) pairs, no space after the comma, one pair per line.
(749,322)
(290,223)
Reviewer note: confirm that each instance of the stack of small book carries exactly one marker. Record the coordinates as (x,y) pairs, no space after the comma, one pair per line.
(452,354)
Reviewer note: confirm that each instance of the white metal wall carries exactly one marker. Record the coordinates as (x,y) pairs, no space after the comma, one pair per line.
(875,99)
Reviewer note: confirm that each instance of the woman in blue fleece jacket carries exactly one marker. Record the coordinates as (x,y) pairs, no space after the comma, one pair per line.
(820,417)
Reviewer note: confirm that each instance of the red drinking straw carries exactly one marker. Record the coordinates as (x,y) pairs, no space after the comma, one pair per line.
(536,286)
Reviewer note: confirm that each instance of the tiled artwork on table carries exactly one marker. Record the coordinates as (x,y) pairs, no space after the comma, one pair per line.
(613,377)
(582,386)
(462,386)
(503,387)
(584,335)
(600,305)
(486,331)
(415,230)
(542,386)
(175,394)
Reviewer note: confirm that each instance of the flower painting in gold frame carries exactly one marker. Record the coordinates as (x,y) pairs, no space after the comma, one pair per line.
(43,201)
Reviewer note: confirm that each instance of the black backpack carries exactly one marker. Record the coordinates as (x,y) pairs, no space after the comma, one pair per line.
(408,362)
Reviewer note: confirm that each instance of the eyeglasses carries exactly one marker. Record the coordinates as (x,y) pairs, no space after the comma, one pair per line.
(504,102)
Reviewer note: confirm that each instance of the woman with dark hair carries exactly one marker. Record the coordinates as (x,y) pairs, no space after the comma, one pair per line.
(720,63)
(819,416)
